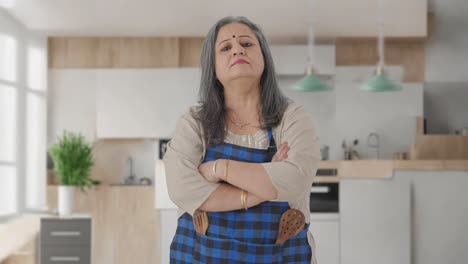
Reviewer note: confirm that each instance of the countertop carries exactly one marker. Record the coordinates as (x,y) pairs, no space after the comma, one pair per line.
(17,233)
(386,168)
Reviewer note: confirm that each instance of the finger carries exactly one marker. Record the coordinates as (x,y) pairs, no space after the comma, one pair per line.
(278,150)
(283,151)
(281,157)
(282,148)
(276,157)
(284,156)
(286,150)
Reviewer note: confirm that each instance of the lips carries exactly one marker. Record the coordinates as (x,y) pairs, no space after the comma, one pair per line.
(240,61)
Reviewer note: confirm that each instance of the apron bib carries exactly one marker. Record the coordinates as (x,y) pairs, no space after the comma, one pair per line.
(240,236)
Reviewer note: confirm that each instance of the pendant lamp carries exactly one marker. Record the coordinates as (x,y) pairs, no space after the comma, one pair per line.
(380,82)
(311,82)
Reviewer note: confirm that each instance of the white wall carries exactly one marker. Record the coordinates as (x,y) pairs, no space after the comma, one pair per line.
(445,107)
(447,50)
(446,86)
(348,113)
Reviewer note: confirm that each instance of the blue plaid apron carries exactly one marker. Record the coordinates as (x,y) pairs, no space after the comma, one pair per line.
(240,236)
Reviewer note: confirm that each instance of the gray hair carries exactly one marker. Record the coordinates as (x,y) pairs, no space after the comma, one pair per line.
(211,111)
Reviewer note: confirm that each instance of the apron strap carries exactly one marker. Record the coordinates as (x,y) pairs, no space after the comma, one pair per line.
(272,146)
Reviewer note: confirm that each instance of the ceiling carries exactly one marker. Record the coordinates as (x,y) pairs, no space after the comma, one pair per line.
(278,18)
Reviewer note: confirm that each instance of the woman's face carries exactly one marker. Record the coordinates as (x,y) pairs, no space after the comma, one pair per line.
(237,54)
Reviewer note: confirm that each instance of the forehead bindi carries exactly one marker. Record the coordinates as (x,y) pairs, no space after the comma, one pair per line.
(234,31)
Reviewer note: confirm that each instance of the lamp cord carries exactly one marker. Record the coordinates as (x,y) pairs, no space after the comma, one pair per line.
(311,38)
(381,40)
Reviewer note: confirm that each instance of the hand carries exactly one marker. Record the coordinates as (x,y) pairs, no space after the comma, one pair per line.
(206,170)
(282,152)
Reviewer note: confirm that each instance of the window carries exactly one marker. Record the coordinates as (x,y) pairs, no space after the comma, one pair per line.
(8,205)
(35,151)
(8,126)
(23,93)
(8,55)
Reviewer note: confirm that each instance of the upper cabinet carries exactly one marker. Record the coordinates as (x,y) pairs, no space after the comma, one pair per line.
(143,103)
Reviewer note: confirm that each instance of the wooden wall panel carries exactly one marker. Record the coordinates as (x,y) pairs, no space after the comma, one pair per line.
(72,52)
(189,52)
(113,52)
(154,52)
(410,53)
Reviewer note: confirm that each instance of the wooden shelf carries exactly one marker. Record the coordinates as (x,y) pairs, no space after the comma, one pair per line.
(386,168)
(438,147)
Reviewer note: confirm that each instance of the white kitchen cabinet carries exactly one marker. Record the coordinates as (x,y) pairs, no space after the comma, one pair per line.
(168,227)
(375,221)
(143,103)
(71,103)
(439,215)
(325,229)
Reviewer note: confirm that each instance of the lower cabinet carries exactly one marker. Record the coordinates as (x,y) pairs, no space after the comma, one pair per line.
(326,232)
(65,240)
(375,221)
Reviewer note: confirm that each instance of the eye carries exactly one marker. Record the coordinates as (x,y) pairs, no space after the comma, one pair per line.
(246,44)
(226,48)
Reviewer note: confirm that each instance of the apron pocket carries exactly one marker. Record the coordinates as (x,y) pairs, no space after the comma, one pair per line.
(208,250)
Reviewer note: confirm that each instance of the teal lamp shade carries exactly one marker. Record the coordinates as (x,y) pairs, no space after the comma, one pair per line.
(311,83)
(380,83)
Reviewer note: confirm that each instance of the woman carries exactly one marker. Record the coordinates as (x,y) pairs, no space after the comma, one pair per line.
(223,161)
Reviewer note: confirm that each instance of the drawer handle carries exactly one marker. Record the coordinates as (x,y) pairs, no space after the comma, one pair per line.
(65,233)
(71,259)
(320,189)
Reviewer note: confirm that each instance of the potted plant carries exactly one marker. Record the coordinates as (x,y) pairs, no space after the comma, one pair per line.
(73,159)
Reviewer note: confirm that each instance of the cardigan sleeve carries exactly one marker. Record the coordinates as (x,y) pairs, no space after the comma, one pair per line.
(293,177)
(187,188)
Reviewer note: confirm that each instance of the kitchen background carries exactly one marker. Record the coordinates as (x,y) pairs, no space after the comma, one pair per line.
(126,92)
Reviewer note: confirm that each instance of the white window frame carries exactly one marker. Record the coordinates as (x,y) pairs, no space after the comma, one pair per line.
(24,41)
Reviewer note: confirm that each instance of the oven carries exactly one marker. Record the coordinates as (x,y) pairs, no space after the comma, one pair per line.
(324,196)
(325,217)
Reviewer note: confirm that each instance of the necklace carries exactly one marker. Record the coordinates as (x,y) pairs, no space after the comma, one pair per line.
(239,125)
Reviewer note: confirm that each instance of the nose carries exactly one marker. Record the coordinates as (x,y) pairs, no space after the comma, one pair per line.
(238,50)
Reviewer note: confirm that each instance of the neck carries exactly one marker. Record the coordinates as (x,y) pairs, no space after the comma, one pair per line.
(242,96)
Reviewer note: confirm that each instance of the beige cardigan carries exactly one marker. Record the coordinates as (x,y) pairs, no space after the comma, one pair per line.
(292,177)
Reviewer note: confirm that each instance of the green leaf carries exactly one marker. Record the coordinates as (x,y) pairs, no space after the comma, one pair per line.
(73,159)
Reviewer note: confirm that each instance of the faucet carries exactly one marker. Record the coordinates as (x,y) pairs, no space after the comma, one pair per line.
(130,179)
(376,144)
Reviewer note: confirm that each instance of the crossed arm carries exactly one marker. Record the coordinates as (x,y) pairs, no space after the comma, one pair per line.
(288,177)
(247,176)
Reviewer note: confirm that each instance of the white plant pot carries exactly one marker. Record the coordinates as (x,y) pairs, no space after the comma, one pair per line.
(66,195)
